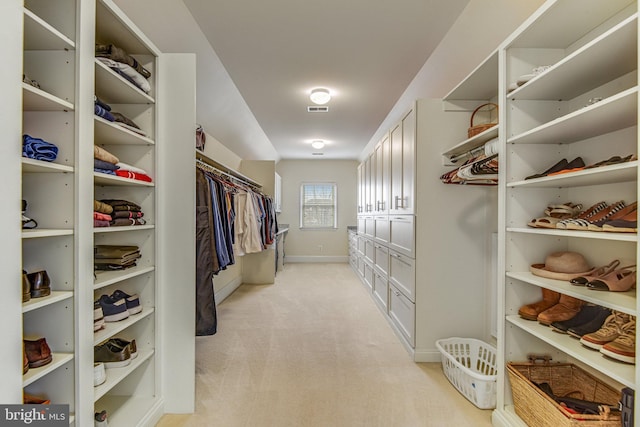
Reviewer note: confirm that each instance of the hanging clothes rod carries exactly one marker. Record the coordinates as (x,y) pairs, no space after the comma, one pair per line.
(456,158)
(245,181)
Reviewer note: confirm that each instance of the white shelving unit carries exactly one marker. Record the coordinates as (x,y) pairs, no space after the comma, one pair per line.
(591,50)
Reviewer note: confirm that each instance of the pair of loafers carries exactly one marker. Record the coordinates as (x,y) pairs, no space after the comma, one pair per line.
(35,285)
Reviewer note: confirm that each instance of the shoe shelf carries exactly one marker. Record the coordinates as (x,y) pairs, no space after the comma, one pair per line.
(602,235)
(40,35)
(39,166)
(106,179)
(613,113)
(619,301)
(618,173)
(43,232)
(34,374)
(123,229)
(36,303)
(606,58)
(116,375)
(620,372)
(112,328)
(114,89)
(123,409)
(106,278)
(107,132)
(35,99)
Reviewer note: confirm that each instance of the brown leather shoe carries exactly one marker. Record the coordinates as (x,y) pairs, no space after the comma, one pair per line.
(566,309)
(40,284)
(26,287)
(25,361)
(38,352)
(30,399)
(531,311)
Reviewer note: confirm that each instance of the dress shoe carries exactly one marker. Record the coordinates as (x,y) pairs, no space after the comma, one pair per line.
(26,287)
(40,284)
(566,308)
(587,313)
(531,311)
(38,352)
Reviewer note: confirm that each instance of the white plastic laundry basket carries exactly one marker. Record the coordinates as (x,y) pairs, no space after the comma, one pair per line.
(470,365)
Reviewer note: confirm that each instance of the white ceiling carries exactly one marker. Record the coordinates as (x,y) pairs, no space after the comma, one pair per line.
(366,51)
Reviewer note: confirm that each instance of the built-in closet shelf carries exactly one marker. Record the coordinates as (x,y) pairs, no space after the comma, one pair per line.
(106,278)
(114,89)
(34,99)
(620,301)
(39,166)
(112,328)
(116,375)
(36,303)
(623,373)
(480,84)
(113,26)
(34,374)
(123,409)
(621,237)
(45,232)
(106,179)
(623,172)
(111,133)
(39,35)
(472,143)
(616,112)
(123,228)
(598,62)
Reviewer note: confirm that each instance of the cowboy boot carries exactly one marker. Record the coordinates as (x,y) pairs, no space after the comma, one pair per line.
(531,311)
(566,309)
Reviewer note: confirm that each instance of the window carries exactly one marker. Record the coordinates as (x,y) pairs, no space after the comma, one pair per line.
(318,205)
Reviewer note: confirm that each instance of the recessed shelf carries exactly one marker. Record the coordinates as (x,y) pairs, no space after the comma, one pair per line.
(44,232)
(36,303)
(123,229)
(620,372)
(106,179)
(622,237)
(39,35)
(112,328)
(115,375)
(107,132)
(35,374)
(114,89)
(106,278)
(39,166)
(113,26)
(472,143)
(34,99)
(623,172)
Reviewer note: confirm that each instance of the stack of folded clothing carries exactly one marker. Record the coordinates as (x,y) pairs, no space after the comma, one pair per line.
(125,213)
(103,110)
(38,149)
(102,214)
(125,65)
(128,171)
(115,257)
(103,161)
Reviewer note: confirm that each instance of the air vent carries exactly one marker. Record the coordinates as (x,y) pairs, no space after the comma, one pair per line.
(317,154)
(317,109)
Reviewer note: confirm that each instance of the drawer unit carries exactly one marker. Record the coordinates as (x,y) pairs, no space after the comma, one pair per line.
(403,314)
(402,274)
(381,290)
(369,251)
(369,226)
(382,259)
(382,229)
(368,275)
(401,234)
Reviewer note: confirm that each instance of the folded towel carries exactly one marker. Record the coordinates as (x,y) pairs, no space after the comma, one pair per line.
(99,111)
(126,167)
(133,175)
(129,71)
(101,216)
(105,171)
(38,149)
(102,154)
(101,103)
(101,164)
(102,207)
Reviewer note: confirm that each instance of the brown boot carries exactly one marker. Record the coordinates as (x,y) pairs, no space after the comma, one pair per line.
(531,311)
(566,309)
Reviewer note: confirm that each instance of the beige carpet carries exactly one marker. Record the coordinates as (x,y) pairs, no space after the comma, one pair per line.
(314,350)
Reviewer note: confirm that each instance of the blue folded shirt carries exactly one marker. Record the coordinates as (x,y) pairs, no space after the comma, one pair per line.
(38,149)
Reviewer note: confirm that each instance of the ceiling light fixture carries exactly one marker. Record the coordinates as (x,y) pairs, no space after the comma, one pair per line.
(318,144)
(320,96)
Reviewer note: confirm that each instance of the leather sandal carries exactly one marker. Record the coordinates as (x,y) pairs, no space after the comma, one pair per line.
(625,224)
(593,210)
(620,280)
(599,272)
(603,215)
(629,209)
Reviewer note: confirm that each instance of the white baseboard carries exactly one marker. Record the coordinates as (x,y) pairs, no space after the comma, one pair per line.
(152,417)
(506,417)
(331,259)
(223,293)
(427,356)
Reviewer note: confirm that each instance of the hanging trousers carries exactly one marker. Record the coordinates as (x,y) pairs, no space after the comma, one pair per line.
(206,317)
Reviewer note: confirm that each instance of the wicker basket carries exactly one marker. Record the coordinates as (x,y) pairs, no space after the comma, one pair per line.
(476,129)
(537,409)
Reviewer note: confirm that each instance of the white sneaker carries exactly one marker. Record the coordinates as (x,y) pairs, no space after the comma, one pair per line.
(99,374)
(100,419)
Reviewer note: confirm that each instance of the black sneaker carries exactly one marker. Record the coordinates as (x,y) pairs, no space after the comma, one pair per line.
(591,326)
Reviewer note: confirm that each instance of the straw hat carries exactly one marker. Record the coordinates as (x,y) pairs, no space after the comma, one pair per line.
(562,266)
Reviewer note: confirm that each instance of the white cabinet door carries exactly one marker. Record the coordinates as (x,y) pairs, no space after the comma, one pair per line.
(361,202)
(382,231)
(382,169)
(403,314)
(402,274)
(368,188)
(402,234)
(382,259)
(403,141)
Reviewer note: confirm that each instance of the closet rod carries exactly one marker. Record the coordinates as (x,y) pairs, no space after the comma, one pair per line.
(207,166)
(454,159)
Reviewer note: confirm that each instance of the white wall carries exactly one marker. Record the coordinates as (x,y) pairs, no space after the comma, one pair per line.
(317,245)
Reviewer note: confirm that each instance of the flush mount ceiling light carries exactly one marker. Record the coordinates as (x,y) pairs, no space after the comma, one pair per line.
(318,144)
(320,96)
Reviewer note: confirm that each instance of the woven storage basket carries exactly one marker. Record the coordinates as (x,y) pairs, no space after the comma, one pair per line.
(470,365)
(476,129)
(539,410)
